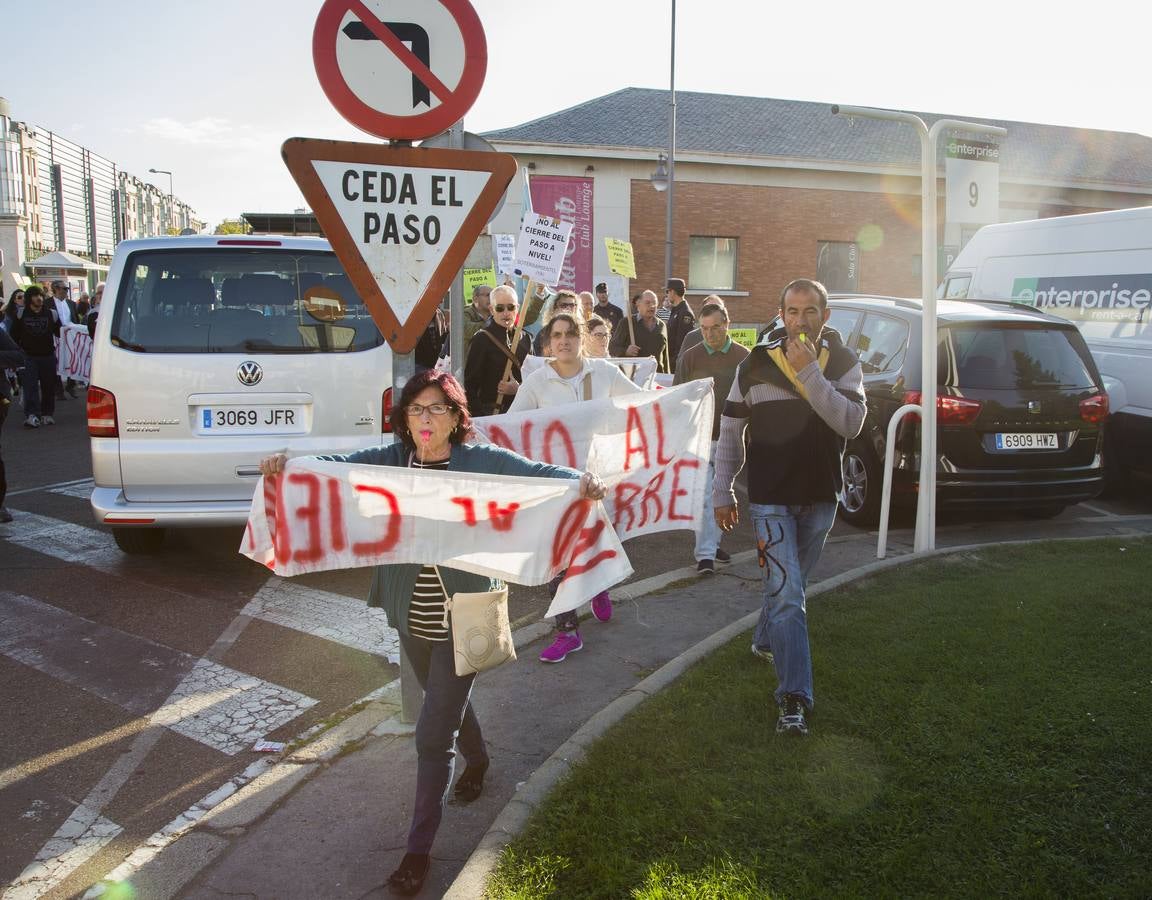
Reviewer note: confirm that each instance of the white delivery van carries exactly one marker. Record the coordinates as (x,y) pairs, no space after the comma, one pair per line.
(1095,270)
(211,353)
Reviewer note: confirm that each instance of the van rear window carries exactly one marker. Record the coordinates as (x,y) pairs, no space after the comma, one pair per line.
(1013,356)
(240,301)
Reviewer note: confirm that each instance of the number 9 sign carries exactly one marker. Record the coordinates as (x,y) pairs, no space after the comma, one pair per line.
(972,177)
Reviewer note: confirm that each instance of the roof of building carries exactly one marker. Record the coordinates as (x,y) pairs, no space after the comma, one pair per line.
(762,127)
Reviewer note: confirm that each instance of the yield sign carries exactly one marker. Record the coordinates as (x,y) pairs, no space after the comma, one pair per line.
(402,69)
(402,220)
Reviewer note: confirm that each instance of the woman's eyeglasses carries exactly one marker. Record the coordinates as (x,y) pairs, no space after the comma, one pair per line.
(500,307)
(600,335)
(565,305)
(417,409)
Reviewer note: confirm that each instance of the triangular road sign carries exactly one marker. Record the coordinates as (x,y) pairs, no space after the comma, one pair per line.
(402,220)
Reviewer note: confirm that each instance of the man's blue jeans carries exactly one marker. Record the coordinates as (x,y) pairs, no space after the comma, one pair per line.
(708,537)
(446,719)
(789,539)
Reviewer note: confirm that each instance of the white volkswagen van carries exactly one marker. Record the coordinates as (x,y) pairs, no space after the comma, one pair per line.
(1095,270)
(211,353)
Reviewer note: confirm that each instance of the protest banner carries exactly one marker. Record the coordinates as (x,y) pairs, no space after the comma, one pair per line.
(651,448)
(505,247)
(541,247)
(474,278)
(74,353)
(318,516)
(620,258)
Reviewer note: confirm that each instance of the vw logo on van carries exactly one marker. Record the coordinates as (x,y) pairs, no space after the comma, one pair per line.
(249,373)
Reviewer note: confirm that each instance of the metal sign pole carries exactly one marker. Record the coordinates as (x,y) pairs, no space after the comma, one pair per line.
(411,696)
(925,536)
(456,291)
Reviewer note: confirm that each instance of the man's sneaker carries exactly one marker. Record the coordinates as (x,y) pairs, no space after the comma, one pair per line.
(602,607)
(723,557)
(5,516)
(566,642)
(70,390)
(32,422)
(705,567)
(761,653)
(793,716)
(47,420)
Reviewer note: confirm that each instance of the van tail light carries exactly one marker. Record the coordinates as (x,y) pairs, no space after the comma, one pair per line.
(102,413)
(1095,408)
(949,410)
(386,412)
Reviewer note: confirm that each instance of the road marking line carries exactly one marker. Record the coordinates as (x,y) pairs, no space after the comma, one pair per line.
(48,487)
(79,489)
(1099,511)
(322,614)
(65,541)
(82,836)
(228,710)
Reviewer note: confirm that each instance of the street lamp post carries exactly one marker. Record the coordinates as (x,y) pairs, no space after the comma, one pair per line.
(664,178)
(171,209)
(926,496)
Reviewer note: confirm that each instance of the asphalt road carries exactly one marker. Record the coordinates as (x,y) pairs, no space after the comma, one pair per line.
(131,688)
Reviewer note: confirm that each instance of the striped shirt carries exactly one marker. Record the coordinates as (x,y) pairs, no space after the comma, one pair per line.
(427,614)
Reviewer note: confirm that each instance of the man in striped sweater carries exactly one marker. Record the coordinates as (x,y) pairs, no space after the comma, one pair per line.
(799,396)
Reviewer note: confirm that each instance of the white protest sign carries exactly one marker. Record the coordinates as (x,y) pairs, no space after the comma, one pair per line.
(541,247)
(318,516)
(505,245)
(651,448)
(74,353)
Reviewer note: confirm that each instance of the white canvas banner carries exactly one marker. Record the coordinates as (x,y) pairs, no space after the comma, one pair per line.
(74,353)
(642,371)
(318,516)
(651,448)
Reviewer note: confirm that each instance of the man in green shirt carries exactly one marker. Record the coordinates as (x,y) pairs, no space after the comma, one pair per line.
(476,315)
(716,357)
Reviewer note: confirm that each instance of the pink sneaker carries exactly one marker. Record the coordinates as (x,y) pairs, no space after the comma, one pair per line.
(602,607)
(566,642)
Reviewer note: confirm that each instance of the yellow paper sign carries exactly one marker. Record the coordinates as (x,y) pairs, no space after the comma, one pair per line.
(745,337)
(476,277)
(620,258)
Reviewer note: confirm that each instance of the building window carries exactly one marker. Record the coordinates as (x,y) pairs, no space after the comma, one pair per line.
(712,263)
(838,266)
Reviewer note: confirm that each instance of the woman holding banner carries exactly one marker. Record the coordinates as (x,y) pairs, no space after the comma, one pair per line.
(569,378)
(432,421)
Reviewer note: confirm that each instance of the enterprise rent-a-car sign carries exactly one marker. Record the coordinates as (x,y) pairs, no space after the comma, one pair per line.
(1117,298)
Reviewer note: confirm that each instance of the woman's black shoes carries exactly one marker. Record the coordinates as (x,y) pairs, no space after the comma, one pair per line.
(471,784)
(409,878)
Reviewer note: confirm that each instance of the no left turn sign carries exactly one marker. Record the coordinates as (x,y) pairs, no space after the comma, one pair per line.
(400,69)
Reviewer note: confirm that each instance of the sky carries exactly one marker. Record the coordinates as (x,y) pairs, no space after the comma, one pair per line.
(210,89)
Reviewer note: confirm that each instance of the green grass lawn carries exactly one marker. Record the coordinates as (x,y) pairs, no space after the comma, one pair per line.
(983,727)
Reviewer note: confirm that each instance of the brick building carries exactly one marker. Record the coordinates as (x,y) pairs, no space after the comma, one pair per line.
(767,190)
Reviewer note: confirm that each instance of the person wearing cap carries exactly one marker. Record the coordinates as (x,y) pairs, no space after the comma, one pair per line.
(609,312)
(476,314)
(649,333)
(681,319)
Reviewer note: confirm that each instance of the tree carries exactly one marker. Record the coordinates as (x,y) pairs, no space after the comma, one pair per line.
(233,226)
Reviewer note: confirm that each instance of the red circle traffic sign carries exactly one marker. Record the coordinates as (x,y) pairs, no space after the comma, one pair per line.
(452,45)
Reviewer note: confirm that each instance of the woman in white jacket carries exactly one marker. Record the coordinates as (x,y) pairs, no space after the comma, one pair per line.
(570,377)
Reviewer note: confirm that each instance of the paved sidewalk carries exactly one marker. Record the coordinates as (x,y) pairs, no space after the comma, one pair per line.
(331,821)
